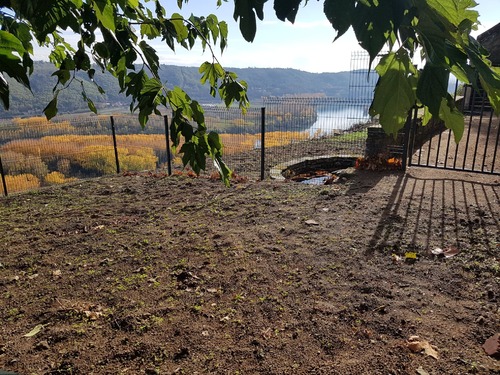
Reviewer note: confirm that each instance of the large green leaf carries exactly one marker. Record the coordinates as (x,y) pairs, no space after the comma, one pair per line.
(243,12)
(179,100)
(181,30)
(459,63)
(286,9)
(455,11)
(339,13)
(10,43)
(482,65)
(373,25)
(452,117)
(48,16)
(493,93)
(151,86)
(105,13)
(432,87)
(395,91)
(434,32)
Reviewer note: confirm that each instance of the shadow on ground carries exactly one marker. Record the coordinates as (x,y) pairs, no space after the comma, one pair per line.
(423,213)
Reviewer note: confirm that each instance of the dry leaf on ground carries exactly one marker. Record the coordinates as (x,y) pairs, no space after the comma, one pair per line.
(35,330)
(312,222)
(450,251)
(415,344)
(437,251)
(421,371)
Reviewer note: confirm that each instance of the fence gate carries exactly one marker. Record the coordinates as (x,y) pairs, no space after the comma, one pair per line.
(433,146)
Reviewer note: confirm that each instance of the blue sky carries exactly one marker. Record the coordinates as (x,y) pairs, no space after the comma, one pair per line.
(306,45)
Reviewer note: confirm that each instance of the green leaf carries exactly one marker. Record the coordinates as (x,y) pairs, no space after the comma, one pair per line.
(455,11)
(150,56)
(492,92)
(9,43)
(223,169)
(151,86)
(339,13)
(198,115)
(10,63)
(149,30)
(433,87)
(482,65)
(51,109)
(91,105)
(133,3)
(286,9)
(104,11)
(373,25)
(223,29)
(101,50)
(82,60)
(211,72)
(100,89)
(459,63)
(180,100)
(212,23)
(453,118)
(395,91)
(194,153)
(181,30)
(426,117)
(63,76)
(215,143)
(243,12)
(14,68)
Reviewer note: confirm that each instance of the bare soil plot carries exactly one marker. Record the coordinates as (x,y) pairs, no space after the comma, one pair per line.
(144,274)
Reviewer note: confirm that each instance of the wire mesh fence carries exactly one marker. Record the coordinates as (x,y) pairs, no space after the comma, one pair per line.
(35,152)
(299,127)
(241,135)
(361,79)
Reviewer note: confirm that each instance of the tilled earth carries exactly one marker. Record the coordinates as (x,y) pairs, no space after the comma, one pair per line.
(147,274)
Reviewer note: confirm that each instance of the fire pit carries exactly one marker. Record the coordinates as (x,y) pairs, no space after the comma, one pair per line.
(320,170)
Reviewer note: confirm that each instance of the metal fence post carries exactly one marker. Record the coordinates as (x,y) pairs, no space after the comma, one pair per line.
(167,141)
(4,184)
(114,144)
(262,142)
(406,140)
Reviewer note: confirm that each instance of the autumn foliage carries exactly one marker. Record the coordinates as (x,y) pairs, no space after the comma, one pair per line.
(379,163)
(55,178)
(36,152)
(22,182)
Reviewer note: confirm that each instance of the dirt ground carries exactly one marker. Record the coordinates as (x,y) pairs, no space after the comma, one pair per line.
(147,274)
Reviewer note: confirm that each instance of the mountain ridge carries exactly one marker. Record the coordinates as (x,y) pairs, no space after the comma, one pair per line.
(261,81)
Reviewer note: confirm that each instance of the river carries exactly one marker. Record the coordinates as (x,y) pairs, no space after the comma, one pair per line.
(338,119)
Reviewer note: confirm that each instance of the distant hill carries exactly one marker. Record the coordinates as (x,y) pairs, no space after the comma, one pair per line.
(261,81)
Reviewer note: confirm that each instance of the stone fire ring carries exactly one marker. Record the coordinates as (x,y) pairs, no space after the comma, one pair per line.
(307,164)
